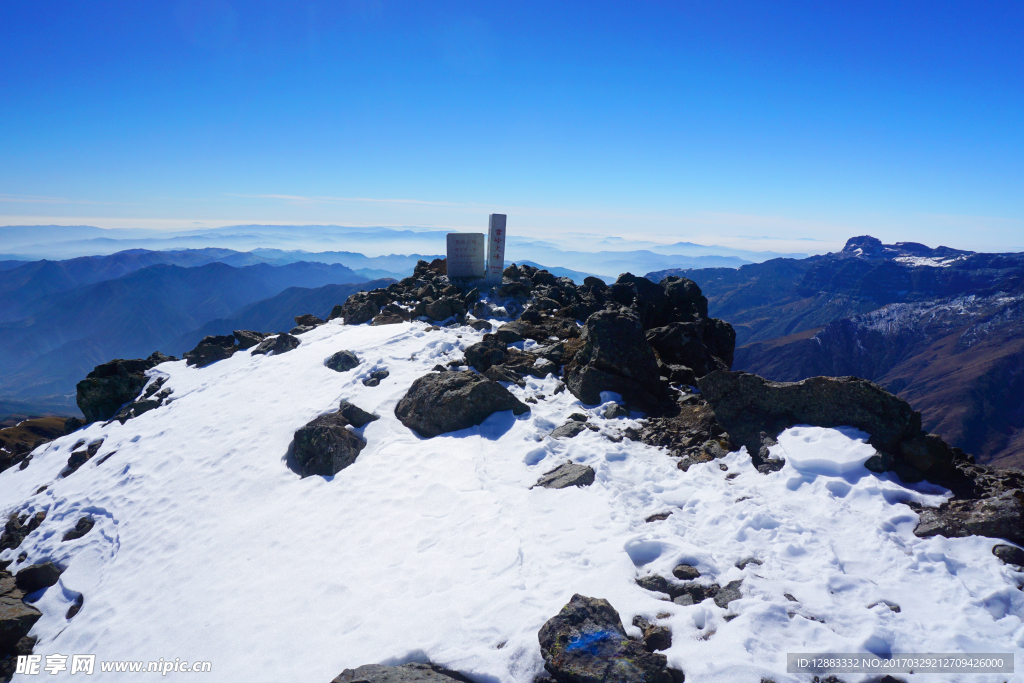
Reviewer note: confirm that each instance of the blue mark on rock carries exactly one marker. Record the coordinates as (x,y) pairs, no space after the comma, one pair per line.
(593,643)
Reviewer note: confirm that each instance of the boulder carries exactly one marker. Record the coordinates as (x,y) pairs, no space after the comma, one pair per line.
(342,361)
(387,318)
(449,401)
(615,357)
(747,405)
(566,475)
(325,447)
(586,643)
(16,617)
(110,385)
(37,576)
(481,325)
(614,411)
(211,349)
(1009,554)
(483,354)
(276,345)
(248,339)
(728,593)
(357,309)
(405,673)
(356,416)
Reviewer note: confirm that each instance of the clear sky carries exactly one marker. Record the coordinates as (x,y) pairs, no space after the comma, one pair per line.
(743,123)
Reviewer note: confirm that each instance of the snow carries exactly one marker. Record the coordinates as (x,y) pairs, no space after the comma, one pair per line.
(207,547)
(929,261)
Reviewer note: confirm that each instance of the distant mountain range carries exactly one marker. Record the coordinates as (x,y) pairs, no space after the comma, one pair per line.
(940,327)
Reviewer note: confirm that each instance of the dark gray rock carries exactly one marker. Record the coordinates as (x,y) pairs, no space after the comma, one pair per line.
(615,410)
(387,318)
(276,345)
(449,401)
(615,357)
(681,344)
(16,617)
(308,320)
(356,416)
(83,526)
(248,339)
(566,475)
(481,325)
(136,408)
(300,329)
(375,378)
(406,673)
(508,334)
(655,637)
(742,564)
(80,457)
(1009,554)
(501,373)
(76,607)
(325,447)
(728,593)
(543,367)
(37,576)
(486,353)
(110,385)
(211,349)
(357,309)
(586,643)
(686,572)
(568,430)
(342,361)
(999,516)
(17,528)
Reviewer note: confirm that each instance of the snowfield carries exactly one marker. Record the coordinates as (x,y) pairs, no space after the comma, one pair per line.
(208,547)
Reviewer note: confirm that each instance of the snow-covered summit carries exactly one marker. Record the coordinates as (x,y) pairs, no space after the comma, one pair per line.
(208,547)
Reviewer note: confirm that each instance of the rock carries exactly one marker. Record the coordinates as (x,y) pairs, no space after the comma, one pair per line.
(615,356)
(76,607)
(406,673)
(375,377)
(136,408)
(728,593)
(325,447)
(685,572)
(1009,554)
(747,405)
(276,345)
(110,385)
(655,637)
(308,320)
(211,349)
(481,325)
(678,374)
(342,361)
(449,401)
(357,309)
(586,643)
(79,458)
(16,617)
(444,308)
(17,528)
(999,516)
(83,526)
(566,475)
(681,344)
(356,416)
(501,373)
(73,424)
(543,367)
(387,318)
(37,576)
(508,334)
(615,410)
(486,353)
(742,564)
(300,329)
(248,339)
(568,430)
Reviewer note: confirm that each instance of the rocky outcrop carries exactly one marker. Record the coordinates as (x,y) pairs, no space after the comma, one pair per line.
(110,385)
(211,349)
(18,527)
(615,356)
(443,402)
(276,345)
(37,577)
(248,339)
(586,643)
(998,516)
(405,673)
(324,446)
(81,456)
(17,442)
(16,619)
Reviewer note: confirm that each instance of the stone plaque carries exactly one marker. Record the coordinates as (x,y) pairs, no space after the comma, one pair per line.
(465,254)
(496,247)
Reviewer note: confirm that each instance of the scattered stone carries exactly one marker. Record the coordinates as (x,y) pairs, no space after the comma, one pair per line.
(276,345)
(445,402)
(789,597)
(76,607)
(1009,554)
(728,593)
(566,475)
(248,339)
(742,564)
(481,325)
(79,458)
(325,447)
(686,572)
(83,526)
(658,517)
(614,411)
(37,576)
(356,416)
(342,361)
(375,377)
(586,643)
(110,385)
(893,607)
(531,399)
(655,637)
(17,528)
(406,673)
(568,430)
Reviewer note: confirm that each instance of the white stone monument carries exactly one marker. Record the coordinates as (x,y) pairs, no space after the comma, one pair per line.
(466,254)
(495,247)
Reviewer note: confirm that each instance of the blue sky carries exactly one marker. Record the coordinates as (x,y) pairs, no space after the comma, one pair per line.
(742,123)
